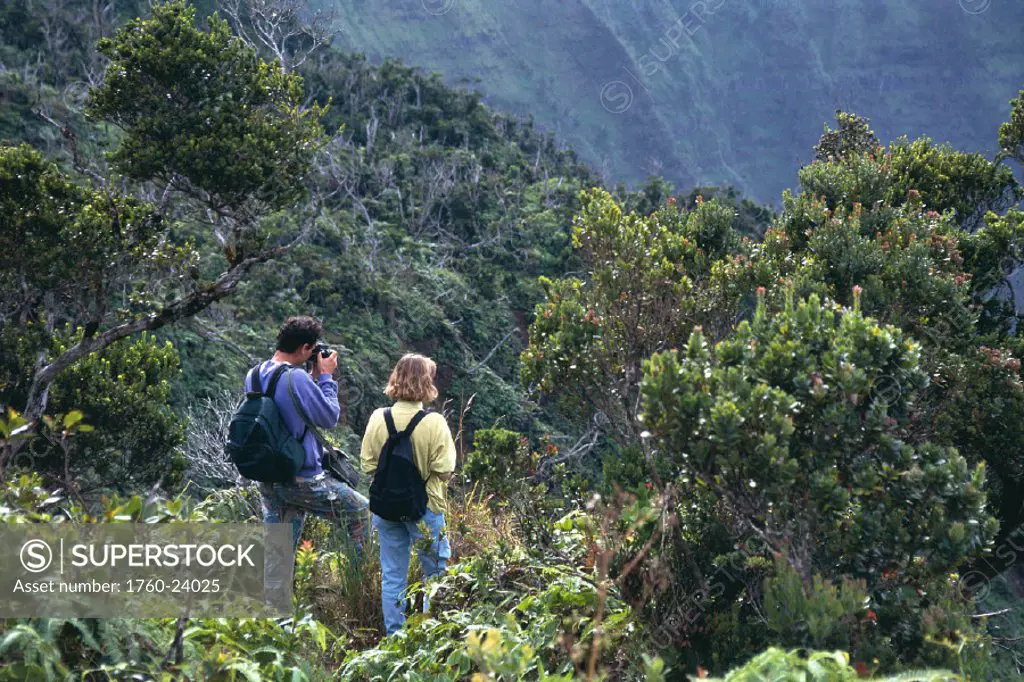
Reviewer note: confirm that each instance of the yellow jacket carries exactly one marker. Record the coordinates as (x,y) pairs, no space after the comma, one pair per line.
(433,448)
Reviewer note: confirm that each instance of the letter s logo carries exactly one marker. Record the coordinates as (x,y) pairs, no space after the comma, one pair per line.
(36,556)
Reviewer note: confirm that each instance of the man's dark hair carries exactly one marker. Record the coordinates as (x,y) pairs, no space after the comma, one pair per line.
(298,331)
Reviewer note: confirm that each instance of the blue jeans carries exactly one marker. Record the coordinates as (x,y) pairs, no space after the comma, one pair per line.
(324,496)
(396,539)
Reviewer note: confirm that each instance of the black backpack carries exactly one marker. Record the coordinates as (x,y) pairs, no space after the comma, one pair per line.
(398,491)
(259,442)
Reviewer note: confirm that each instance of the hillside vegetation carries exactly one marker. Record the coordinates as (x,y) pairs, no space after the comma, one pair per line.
(695,437)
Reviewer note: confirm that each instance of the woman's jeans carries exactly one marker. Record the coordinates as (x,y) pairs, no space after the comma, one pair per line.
(396,540)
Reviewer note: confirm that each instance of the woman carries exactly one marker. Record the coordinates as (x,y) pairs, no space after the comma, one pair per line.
(411,385)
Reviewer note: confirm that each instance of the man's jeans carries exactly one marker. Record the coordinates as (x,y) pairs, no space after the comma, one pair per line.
(396,538)
(324,496)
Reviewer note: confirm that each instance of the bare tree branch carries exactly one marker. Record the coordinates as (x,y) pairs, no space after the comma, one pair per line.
(584,446)
(473,369)
(184,307)
(278,27)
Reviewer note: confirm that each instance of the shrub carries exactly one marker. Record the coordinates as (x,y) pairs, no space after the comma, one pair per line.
(506,615)
(791,428)
(816,666)
(131,648)
(499,459)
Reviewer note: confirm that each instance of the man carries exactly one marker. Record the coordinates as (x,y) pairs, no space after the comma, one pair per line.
(316,395)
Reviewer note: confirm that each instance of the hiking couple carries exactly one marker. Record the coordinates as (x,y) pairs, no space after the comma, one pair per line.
(412,448)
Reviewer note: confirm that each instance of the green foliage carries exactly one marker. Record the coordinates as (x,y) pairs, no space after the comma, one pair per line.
(991,254)
(863,222)
(651,279)
(231,505)
(853,136)
(786,424)
(984,416)
(54,44)
(123,391)
(201,111)
(749,219)
(905,260)
(498,459)
(23,498)
(817,666)
(503,615)
(948,180)
(131,649)
(62,240)
(817,616)
(777,664)
(1011,133)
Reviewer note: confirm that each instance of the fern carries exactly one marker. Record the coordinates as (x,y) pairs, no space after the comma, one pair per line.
(31,654)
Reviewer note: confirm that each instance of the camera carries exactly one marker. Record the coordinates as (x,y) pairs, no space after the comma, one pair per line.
(323,349)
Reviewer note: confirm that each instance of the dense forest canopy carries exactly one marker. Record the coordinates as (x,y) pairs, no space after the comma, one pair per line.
(694,433)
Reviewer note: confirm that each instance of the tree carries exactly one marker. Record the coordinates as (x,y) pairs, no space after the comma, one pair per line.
(203,119)
(782,424)
(853,135)
(863,222)
(205,116)
(650,279)
(1011,133)
(276,27)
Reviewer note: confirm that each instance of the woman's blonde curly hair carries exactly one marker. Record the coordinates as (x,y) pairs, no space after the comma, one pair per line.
(413,379)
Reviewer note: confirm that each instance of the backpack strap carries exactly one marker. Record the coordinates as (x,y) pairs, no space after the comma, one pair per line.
(417,418)
(393,430)
(255,384)
(382,464)
(302,415)
(274,378)
(390,421)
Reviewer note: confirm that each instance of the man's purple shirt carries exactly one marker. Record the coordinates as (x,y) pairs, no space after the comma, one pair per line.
(319,402)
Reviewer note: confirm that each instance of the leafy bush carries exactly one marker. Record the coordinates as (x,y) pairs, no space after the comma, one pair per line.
(123,392)
(506,615)
(908,225)
(499,459)
(652,278)
(131,649)
(819,666)
(785,425)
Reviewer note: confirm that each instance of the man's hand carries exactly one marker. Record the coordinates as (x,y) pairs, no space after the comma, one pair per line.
(322,365)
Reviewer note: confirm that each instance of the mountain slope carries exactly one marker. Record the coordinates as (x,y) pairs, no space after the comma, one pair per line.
(737,96)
